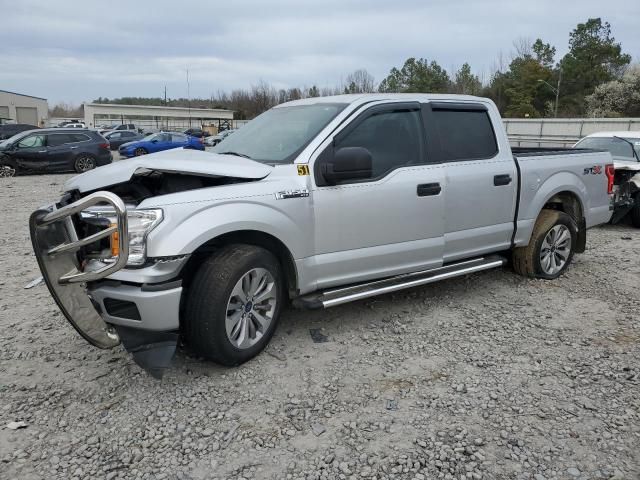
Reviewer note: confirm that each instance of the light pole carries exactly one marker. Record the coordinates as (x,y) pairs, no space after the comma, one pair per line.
(556,90)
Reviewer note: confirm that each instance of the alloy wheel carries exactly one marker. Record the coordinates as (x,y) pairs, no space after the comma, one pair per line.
(250,308)
(555,250)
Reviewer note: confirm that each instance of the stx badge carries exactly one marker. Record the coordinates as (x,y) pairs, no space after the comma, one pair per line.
(595,170)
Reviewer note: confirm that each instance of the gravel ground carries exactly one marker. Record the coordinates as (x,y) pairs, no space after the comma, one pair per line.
(487,376)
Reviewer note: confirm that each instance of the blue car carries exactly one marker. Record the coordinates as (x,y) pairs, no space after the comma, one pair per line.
(158,142)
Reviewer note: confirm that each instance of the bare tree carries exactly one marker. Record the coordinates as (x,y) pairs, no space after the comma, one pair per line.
(360,81)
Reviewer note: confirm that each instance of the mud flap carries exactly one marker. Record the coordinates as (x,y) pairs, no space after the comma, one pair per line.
(581,243)
(152,351)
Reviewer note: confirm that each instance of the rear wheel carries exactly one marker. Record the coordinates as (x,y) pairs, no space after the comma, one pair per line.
(635,211)
(84,163)
(234,303)
(550,248)
(139,152)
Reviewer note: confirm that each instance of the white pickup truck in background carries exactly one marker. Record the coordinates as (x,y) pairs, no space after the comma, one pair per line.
(317,202)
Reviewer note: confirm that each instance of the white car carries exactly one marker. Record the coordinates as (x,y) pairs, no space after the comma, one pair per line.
(625,149)
(214,140)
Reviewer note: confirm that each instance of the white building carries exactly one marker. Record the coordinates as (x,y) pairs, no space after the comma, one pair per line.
(156,118)
(19,108)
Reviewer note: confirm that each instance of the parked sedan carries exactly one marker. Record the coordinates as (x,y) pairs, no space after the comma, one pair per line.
(197,132)
(159,142)
(10,129)
(118,138)
(54,150)
(216,139)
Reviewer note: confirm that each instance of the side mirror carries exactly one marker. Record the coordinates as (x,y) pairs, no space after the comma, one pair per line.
(348,163)
(154,141)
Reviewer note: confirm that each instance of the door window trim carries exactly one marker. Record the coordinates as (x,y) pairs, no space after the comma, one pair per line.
(360,117)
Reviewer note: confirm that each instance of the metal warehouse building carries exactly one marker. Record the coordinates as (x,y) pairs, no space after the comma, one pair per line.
(156,118)
(19,108)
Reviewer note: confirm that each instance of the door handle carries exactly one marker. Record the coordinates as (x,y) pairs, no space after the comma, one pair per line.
(42,151)
(428,189)
(499,180)
(73,148)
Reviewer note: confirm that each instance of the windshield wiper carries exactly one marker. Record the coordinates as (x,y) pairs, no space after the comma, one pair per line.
(633,148)
(243,155)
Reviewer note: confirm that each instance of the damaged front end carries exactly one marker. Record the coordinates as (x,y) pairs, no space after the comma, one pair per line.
(74,266)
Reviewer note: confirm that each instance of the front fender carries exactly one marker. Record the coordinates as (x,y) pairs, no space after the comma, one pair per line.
(184,234)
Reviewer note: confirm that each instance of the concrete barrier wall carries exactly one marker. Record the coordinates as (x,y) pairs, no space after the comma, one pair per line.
(561,132)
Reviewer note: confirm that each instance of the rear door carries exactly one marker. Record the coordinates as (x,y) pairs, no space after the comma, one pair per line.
(480,187)
(179,140)
(388,224)
(60,152)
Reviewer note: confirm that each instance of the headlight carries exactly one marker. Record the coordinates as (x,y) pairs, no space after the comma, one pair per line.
(140,222)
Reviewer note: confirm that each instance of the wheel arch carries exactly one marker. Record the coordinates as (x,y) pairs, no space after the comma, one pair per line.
(257,238)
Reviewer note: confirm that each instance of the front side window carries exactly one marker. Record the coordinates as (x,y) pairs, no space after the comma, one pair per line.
(394,139)
(31,141)
(114,136)
(465,134)
(280,134)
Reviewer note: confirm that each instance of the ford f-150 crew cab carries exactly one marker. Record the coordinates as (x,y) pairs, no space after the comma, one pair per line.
(316,202)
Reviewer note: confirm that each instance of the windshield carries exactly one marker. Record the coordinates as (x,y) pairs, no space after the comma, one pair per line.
(13,139)
(618,147)
(280,134)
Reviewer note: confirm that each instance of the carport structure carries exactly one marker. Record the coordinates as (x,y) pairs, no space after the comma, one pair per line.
(153,118)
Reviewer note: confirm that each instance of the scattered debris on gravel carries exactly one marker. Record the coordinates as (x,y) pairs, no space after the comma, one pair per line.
(483,377)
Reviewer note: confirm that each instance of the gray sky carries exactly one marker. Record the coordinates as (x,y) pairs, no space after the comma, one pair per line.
(78,51)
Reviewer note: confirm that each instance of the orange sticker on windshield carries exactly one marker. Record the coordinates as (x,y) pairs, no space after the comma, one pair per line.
(303,169)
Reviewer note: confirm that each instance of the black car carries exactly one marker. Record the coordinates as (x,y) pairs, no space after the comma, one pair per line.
(118,138)
(53,150)
(197,132)
(9,130)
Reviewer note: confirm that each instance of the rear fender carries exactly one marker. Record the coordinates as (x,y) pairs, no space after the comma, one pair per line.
(534,202)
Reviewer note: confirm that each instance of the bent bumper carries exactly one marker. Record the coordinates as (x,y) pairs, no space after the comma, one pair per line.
(145,317)
(144,307)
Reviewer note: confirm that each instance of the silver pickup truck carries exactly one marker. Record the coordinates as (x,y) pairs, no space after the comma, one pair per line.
(316,202)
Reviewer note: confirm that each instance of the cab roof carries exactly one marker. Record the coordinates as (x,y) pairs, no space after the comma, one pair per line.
(359,98)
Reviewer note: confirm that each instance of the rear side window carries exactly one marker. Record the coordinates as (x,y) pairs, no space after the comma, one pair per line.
(465,134)
(57,139)
(178,137)
(78,137)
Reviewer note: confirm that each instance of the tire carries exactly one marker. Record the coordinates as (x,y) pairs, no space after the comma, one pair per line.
(84,163)
(635,211)
(537,260)
(212,306)
(138,152)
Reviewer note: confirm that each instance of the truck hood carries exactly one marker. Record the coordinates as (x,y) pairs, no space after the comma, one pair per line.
(191,162)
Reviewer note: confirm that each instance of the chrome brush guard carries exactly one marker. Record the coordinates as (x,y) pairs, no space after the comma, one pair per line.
(56,243)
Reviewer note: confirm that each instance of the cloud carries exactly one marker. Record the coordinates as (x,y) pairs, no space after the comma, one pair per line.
(67,51)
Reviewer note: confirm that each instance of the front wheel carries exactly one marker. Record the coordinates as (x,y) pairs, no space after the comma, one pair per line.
(550,248)
(138,152)
(233,304)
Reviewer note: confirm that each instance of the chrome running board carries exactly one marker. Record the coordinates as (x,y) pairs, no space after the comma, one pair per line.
(338,296)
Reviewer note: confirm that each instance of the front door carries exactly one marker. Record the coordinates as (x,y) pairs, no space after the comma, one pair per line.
(31,152)
(389,224)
